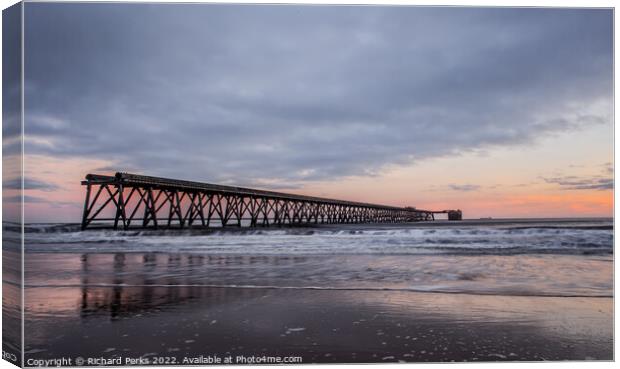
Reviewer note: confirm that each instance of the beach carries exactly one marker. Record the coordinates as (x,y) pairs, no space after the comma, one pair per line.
(361,293)
(320,326)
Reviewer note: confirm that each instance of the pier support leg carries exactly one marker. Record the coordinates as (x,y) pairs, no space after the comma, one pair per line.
(86,207)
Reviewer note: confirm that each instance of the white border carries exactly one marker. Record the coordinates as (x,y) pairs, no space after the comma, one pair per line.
(482,3)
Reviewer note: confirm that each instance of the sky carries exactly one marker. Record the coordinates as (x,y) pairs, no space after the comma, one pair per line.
(500,112)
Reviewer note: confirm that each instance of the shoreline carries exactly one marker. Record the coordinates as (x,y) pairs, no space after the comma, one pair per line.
(309,288)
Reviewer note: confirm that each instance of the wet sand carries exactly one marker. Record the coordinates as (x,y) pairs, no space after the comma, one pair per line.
(317,325)
(11,302)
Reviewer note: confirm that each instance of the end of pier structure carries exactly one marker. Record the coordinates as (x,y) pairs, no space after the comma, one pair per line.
(455,214)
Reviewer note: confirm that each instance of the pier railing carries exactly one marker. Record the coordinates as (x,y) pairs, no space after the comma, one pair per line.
(127,200)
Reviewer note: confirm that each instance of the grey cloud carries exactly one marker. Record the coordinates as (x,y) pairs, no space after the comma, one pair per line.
(579,183)
(464,187)
(27,198)
(107,169)
(11,84)
(29,184)
(248,94)
(39,200)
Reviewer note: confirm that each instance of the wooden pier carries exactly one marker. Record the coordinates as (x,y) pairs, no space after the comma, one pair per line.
(130,200)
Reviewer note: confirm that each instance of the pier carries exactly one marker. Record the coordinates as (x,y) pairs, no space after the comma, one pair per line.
(130,200)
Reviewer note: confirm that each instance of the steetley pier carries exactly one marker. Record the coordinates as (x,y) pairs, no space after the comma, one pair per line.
(130,200)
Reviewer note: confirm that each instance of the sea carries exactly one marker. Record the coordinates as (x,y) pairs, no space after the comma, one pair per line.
(72,276)
(551,257)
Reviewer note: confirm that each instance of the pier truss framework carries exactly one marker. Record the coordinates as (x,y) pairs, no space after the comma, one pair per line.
(127,200)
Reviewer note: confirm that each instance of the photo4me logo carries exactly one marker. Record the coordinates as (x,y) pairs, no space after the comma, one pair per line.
(9,356)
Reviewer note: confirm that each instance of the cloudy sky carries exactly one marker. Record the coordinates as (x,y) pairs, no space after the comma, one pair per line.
(500,112)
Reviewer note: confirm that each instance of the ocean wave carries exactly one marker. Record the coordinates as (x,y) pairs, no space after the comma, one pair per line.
(585,238)
(471,226)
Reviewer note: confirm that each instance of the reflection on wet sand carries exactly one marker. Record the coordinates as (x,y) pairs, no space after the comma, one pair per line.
(148,305)
(153,283)
(139,292)
(11,301)
(11,322)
